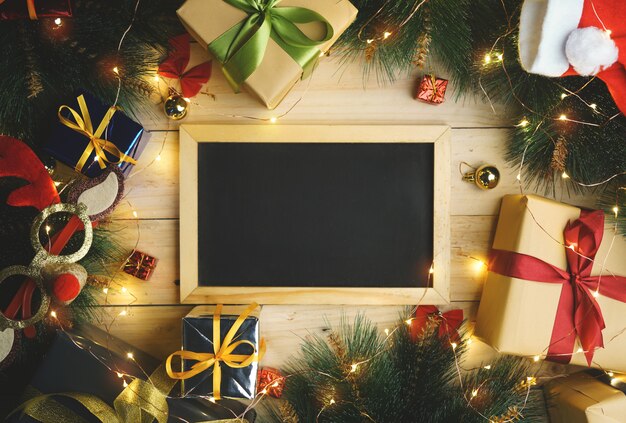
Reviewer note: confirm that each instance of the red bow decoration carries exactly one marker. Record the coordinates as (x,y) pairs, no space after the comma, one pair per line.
(578,312)
(448,322)
(174,67)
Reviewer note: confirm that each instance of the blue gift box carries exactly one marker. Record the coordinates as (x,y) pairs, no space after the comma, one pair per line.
(67,144)
(198,337)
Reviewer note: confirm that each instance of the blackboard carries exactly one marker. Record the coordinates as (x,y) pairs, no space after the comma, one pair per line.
(315,214)
(282,214)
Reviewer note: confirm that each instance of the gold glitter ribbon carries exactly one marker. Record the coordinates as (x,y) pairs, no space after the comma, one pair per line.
(140,402)
(222,353)
(82,124)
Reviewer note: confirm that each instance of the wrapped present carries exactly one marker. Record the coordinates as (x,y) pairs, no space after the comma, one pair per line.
(78,138)
(278,51)
(35,9)
(544,294)
(582,398)
(221,351)
(82,380)
(432,89)
(140,265)
(271,381)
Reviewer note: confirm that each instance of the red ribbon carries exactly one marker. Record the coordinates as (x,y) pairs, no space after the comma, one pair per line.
(448,322)
(174,67)
(578,313)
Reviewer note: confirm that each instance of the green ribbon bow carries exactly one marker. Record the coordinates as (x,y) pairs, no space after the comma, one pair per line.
(241,49)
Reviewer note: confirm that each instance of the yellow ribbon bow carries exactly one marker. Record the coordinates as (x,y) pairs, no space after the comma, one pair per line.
(222,353)
(82,125)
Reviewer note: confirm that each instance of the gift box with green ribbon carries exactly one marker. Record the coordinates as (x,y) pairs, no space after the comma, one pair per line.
(266,46)
(92,378)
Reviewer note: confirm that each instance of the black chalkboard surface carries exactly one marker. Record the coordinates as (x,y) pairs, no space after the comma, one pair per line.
(315,214)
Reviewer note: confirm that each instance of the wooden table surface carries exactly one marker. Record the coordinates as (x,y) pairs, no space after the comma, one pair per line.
(335,94)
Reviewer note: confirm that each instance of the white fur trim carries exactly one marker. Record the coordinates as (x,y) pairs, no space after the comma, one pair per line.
(544,28)
(590,50)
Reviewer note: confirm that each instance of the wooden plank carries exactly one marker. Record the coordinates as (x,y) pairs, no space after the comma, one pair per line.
(152,189)
(470,236)
(336,93)
(157,329)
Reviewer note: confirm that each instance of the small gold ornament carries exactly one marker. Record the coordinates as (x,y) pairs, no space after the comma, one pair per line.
(485,177)
(175,107)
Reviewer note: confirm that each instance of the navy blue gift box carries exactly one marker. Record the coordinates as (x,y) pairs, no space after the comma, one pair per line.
(67,145)
(72,365)
(198,337)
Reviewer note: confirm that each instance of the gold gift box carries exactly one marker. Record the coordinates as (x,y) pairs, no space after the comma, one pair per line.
(581,398)
(516,316)
(206,20)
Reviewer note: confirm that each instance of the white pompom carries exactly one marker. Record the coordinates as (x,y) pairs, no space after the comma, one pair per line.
(590,50)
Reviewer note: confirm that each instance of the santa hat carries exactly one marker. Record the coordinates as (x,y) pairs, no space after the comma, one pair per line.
(576,37)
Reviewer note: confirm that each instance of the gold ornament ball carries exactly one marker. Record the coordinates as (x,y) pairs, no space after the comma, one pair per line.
(175,107)
(485,177)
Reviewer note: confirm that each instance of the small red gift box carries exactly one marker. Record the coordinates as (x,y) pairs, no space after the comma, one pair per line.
(432,89)
(140,265)
(271,381)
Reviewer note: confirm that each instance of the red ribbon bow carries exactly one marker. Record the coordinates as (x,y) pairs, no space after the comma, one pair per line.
(448,322)
(578,312)
(174,67)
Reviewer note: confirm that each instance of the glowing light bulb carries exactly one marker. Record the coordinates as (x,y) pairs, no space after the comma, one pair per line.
(386,34)
(370,41)
(536,358)
(273,119)
(615,210)
(474,393)
(579,350)
(523,123)
(469,341)
(116,70)
(563,117)
(595,294)
(500,56)
(487,367)
(48,229)
(408,322)
(614,381)
(386,331)
(610,374)
(332,401)
(487,58)
(135,213)
(156,78)
(594,106)
(212,399)
(275,384)
(608,32)
(572,246)
(58,22)
(479,265)
(519,177)
(53,314)
(432,269)
(123,313)
(96,159)
(130,355)
(120,375)
(124,289)
(564,175)
(454,345)
(563,95)
(264,391)
(125,384)
(158,158)
(57,183)
(105,290)
(353,368)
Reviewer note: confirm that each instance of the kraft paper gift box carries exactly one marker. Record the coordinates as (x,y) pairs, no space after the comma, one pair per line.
(278,72)
(517,315)
(582,398)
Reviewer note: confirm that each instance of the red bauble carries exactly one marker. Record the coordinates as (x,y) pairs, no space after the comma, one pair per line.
(66,287)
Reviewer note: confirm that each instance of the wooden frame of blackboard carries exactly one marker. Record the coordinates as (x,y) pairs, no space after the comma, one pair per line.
(191,292)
